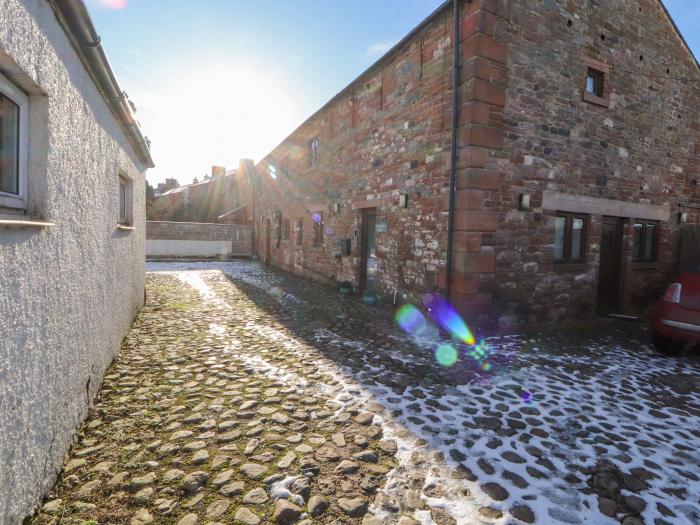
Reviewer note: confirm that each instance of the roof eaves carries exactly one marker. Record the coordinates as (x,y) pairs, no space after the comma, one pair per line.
(680,35)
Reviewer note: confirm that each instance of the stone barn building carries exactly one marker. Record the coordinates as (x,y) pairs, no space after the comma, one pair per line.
(72,235)
(576,153)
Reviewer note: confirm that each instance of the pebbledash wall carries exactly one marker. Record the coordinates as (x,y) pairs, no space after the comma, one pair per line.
(68,292)
(524,128)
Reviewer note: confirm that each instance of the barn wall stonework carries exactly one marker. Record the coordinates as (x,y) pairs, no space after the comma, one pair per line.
(389,134)
(642,148)
(524,127)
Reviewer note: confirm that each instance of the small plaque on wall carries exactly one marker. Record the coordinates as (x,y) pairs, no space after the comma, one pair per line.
(381,226)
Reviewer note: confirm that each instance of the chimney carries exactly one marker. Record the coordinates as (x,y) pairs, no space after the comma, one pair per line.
(246,166)
(217,171)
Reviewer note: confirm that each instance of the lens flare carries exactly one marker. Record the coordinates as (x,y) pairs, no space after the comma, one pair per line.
(113,4)
(316,217)
(410,319)
(526,396)
(446,355)
(448,318)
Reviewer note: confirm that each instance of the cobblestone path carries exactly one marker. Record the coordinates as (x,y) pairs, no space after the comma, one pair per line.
(246,396)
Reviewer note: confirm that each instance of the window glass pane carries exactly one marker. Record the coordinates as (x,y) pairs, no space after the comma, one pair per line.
(577,238)
(649,241)
(9,146)
(590,83)
(559,233)
(122,201)
(595,82)
(637,240)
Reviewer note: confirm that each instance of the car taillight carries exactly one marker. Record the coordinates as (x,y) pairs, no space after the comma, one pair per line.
(673,294)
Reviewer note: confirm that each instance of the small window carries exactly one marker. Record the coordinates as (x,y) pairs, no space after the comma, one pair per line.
(645,241)
(313,152)
(570,237)
(13,145)
(317,219)
(272,170)
(595,82)
(278,227)
(299,234)
(285,230)
(125,202)
(595,90)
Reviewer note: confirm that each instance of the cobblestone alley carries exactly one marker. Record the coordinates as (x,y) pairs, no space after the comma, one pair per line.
(242,395)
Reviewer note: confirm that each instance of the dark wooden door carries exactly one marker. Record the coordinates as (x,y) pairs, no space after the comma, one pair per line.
(368,249)
(610,271)
(268,240)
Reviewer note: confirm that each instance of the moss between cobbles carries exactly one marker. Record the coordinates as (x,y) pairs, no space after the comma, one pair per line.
(146,352)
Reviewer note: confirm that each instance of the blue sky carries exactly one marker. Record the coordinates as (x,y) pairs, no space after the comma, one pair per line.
(217,80)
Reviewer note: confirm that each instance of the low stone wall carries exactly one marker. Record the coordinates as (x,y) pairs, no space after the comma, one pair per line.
(191,239)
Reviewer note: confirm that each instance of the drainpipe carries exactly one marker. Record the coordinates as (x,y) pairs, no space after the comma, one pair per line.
(74,16)
(453,159)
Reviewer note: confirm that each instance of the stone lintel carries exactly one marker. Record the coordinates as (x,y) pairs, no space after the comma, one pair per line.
(552,200)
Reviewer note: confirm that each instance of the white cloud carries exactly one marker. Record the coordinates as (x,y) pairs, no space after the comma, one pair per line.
(379,48)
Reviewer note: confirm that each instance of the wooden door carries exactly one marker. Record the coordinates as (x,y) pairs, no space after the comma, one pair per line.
(268,240)
(610,270)
(368,249)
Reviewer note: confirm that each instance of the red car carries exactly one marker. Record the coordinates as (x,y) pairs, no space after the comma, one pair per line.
(675,322)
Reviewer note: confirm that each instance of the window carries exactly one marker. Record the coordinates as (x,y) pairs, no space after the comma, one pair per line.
(125,217)
(285,230)
(645,241)
(278,227)
(317,219)
(595,89)
(595,82)
(272,170)
(313,152)
(570,237)
(299,232)
(13,145)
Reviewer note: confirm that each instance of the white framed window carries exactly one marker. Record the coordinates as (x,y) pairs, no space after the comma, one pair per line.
(125,215)
(14,137)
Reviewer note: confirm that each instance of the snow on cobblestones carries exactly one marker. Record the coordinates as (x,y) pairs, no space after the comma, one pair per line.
(604,424)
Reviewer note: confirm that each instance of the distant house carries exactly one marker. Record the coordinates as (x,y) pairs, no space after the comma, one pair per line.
(72,236)
(560,191)
(202,201)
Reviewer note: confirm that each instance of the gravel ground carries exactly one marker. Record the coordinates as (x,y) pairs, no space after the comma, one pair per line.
(244,395)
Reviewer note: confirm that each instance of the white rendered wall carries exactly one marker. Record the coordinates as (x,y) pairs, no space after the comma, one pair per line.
(69,293)
(178,248)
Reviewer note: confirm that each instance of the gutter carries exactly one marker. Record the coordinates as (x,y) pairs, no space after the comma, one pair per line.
(74,17)
(453,150)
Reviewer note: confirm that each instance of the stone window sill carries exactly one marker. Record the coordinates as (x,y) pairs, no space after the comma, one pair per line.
(569,266)
(645,265)
(593,99)
(125,228)
(24,223)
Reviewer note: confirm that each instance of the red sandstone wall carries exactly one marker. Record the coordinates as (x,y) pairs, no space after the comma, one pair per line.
(643,148)
(389,134)
(523,128)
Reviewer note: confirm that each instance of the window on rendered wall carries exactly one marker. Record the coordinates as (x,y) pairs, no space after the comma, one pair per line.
(13,145)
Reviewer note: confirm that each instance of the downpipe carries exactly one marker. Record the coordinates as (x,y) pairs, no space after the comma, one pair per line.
(453,151)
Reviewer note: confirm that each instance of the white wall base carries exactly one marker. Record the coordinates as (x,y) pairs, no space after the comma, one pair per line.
(166,247)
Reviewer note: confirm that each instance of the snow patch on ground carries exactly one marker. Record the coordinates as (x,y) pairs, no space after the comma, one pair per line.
(583,409)
(252,274)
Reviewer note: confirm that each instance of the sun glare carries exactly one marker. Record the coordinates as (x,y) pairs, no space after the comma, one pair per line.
(215,113)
